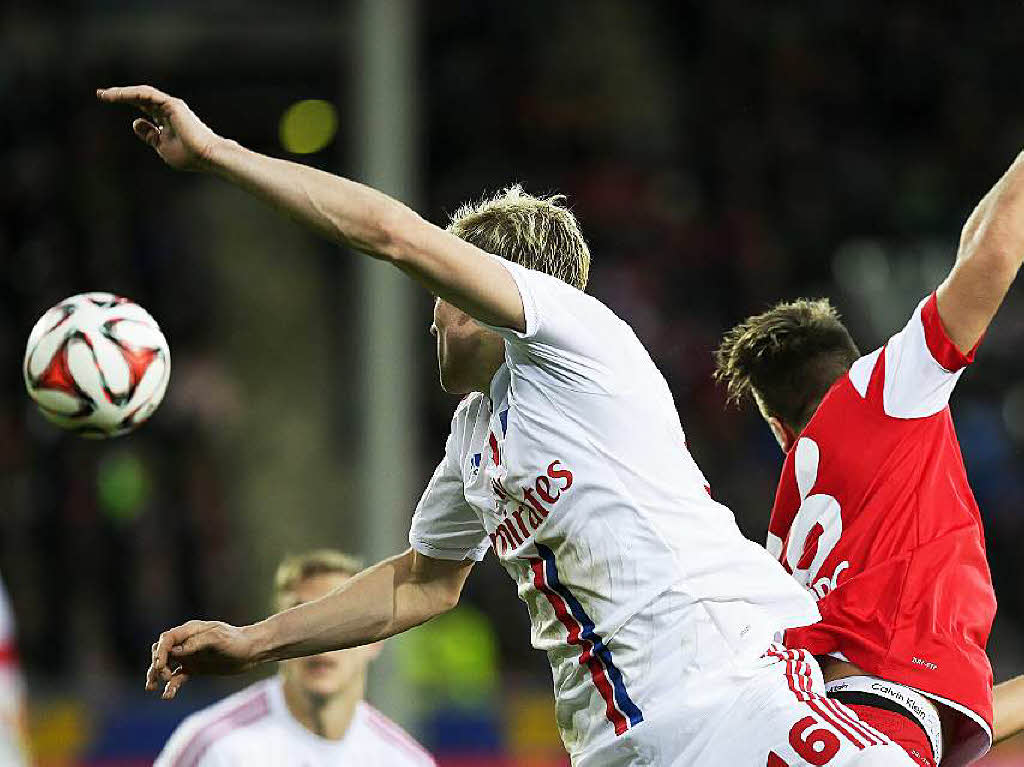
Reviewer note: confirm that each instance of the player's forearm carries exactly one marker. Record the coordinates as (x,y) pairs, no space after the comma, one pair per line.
(1008,709)
(337,208)
(381,601)
(990,255)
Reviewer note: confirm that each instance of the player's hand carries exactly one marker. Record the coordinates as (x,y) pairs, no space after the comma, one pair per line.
(170,127)
(198,647)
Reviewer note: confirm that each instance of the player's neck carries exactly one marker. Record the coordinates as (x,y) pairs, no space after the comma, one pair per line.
(323,715)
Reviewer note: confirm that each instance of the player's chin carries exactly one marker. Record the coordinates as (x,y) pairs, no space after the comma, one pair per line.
(451,382)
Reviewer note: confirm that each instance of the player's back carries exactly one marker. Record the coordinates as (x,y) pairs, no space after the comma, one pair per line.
(254,728)
(874,514)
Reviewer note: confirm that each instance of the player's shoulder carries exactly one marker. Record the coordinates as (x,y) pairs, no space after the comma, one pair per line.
(390,738)
(203,730)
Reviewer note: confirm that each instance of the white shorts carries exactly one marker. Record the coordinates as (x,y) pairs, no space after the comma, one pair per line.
(773,713)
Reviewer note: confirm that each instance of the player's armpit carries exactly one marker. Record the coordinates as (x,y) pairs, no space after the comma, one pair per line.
(990,254)
(1008,709)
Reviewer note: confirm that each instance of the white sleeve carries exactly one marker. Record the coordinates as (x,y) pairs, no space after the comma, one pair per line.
(922,365)
(569,333)
(445,526)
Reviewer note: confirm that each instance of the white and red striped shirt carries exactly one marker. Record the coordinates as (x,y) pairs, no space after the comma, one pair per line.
(254,728)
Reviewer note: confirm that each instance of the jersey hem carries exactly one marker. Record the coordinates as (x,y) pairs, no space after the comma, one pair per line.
(943,350)
(530,320)
(437,552)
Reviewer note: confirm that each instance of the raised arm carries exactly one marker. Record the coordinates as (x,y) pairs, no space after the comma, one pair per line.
(383,600)
(990,254)
(340,210)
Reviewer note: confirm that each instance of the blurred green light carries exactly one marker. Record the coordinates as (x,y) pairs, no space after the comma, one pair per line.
(308,126)
(123,484)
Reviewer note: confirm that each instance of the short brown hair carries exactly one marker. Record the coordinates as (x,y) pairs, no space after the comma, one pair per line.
(536,232)
(790,355)
(298,567)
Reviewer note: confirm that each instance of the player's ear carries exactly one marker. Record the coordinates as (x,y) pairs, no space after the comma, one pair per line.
(783,434)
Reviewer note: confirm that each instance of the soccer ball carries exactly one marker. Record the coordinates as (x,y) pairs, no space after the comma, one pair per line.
(97,364)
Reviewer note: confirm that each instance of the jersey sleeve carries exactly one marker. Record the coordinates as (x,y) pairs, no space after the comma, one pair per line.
(922,365)
(444,525)
(570,334)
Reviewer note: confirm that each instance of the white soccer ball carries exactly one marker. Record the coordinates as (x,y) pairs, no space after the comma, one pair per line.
(97,364)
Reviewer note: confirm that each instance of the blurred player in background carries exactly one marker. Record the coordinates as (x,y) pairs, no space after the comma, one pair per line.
(873,513)
(568,460)
(13,740)
(312,713)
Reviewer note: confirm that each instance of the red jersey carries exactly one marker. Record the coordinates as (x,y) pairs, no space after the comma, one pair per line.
(874,515)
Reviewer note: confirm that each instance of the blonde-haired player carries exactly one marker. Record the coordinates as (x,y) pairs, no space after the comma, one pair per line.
(567,459)
(312,713)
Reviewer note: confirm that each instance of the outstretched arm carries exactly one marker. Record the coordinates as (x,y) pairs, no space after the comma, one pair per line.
(1008,709)
(383,600)
(990,254)
(340,210)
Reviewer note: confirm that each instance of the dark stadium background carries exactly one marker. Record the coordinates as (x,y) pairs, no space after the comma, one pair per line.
(720,156)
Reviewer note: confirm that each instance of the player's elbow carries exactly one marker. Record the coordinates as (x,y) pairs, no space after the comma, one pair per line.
(446,596)
(393,234)
(997,263)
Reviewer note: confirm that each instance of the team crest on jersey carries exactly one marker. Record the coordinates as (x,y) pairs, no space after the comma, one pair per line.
(817,527)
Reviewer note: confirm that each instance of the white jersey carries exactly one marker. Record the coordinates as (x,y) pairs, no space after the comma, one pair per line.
(575,472)
(255,728)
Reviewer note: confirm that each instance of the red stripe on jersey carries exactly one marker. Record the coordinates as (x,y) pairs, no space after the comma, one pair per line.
(245,713)
(942,348)
(593,663)
(872,736)
(843,728)
(799,679)
(395,734)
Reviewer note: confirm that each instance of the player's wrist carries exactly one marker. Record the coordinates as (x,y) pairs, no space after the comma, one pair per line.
(215,156)
(261,642)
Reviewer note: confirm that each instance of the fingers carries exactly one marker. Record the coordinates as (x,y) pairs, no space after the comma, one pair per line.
(162,647)
(146,131)
(145,97)
(174,684)
(151,672)
(194,644)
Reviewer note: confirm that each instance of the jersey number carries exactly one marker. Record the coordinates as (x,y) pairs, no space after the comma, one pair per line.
(817,527)
(815,746)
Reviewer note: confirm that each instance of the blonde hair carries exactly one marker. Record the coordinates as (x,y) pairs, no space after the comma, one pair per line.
(536,232)
(298,567)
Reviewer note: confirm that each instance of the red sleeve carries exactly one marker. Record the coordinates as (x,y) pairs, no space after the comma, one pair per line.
(941,347)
